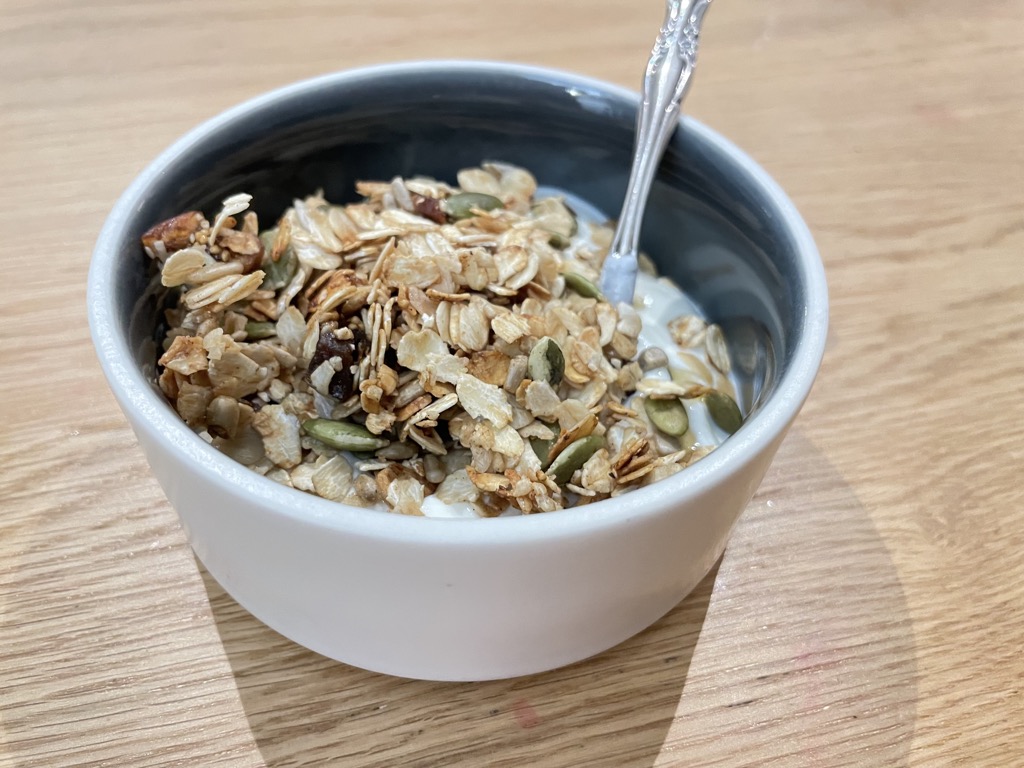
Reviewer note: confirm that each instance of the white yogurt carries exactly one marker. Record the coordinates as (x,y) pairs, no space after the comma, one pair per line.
(434,507)
(658,302)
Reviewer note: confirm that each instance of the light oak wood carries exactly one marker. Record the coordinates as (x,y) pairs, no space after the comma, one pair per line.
(870,608)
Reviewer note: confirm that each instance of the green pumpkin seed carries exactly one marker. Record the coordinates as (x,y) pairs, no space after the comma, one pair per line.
(278,273)
(669,416)
(581,285)
(572,457)
(546,362)
(561,242)
(343,435)
(542,448)
(723,411)
(255,331)
(267,237)
(465,204)
(651,358)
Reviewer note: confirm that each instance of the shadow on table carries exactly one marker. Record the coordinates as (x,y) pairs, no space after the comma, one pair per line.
(811,652)
(807,657)
(613,709)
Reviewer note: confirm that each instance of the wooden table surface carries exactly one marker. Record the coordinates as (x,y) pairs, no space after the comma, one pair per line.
(869,610)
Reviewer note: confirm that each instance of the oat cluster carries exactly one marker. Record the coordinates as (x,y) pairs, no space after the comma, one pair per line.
(428,339)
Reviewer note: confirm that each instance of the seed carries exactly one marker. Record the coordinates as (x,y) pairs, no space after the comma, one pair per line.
(542,448)
(651,358)
(343,435)
(546,362)
(573,457)
(669,416)
(581,285)
(561,242)
(723,410)
(278,273)
(465,204)
(255,330)
(717,349)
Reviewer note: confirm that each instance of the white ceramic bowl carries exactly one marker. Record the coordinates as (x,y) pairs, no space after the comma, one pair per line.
(470,599)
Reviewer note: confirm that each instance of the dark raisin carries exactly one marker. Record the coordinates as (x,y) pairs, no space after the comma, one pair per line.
(216,430)
(429,208)
(349,350)
(255,401)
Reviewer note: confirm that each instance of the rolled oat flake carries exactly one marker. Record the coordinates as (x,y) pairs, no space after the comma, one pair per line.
(717,349)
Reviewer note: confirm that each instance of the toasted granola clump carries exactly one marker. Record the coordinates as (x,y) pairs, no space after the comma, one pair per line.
(426,340)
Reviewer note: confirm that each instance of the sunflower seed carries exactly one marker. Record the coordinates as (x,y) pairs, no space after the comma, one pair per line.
(546,362)
(581,285)
(343,435)
(465,204)
(573,457)
(669,416)
(723,410)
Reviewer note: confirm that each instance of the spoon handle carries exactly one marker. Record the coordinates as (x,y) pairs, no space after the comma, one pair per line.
(665,84)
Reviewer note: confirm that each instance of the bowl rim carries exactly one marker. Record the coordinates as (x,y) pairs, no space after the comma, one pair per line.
(151,414)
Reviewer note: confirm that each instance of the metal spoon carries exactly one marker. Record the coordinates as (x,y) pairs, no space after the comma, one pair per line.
(665,84)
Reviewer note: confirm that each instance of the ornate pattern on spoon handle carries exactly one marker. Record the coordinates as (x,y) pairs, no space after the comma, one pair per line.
(666,82)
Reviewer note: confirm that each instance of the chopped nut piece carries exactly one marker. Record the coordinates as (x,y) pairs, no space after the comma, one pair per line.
(174,234)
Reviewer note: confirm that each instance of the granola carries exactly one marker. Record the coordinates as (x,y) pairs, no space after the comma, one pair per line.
(431,345)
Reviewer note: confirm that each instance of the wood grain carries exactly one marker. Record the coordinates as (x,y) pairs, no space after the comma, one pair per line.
(869,609)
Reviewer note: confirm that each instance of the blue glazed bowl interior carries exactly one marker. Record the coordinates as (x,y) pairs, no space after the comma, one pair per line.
(712,230)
